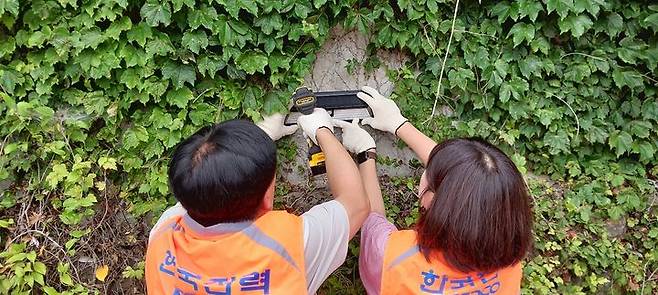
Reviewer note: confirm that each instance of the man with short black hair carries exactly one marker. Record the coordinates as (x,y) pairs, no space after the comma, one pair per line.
(224,238)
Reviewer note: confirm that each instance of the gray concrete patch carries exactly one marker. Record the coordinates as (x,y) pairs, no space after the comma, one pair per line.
(616,228)
(330,68)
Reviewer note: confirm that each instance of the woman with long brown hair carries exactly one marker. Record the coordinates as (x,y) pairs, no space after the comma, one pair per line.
(475,225)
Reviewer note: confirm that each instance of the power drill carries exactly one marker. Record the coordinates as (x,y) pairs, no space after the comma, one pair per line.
(304,100)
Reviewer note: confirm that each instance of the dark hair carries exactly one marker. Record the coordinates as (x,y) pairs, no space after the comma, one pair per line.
(480,217)
(221,173)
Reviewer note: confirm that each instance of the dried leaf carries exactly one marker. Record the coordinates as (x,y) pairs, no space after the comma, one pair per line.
(101,272)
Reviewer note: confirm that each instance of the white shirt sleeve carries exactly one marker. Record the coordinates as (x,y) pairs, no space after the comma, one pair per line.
(176,210)
(326,234)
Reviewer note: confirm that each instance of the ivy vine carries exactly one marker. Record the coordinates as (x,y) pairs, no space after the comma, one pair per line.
(94,94)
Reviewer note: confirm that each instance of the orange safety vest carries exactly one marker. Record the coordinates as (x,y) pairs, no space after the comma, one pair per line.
(264,256)
(406,271)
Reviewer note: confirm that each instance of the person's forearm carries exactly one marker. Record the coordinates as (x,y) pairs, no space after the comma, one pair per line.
(417,141)
(344,179)
(370,181)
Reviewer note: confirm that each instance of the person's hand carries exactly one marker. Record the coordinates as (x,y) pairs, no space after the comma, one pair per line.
(387,116)
(355,139)
(274,127)
(312,122)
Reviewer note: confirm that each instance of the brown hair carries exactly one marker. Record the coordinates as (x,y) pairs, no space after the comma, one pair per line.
(480,217)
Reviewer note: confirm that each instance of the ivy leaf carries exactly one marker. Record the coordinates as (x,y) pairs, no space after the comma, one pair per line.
(240,27)
(319,3)
(558,142)
(273,103)
(179,74)
(178,4)
(650,109)
(233,7)
(91,38)
(460,77)
(194,41)
(107,163)
(433,64)
(269,23)
(641,129)
(117,27)
(540,44)
(10,6)
(133,136)
(130,77)
(652,20)
(203,113)
(651,56)
(501,10)
(546,116)
(180,97)
(268,43)
(302,10)
(227,36)
(7,46)
(209,65)
(40,267)
(596,134)
(531,65)
(252,62)
(9,79)
(562,7)
(615,24)
(578,25)
(577,72)
(231,96)
(250,6)
(629,198)
(155,13)
(58,174)
(504,92)
(517,110)
(140,33)
(359,19)
(203,16)
(250,101)
(621,141)
(530,8)
(631,50)
(590,5)
(134,56)
(159,45)
(518,87)
(645,150)
(628,78)
(278,61)
(522,31)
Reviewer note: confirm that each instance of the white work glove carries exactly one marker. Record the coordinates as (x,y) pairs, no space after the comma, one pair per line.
(311,123)
(387,116)
(355,139)
(273,126)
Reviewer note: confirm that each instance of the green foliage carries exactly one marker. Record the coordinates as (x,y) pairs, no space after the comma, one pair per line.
(568,89)
(25,272)
(95,93)
(136,272)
